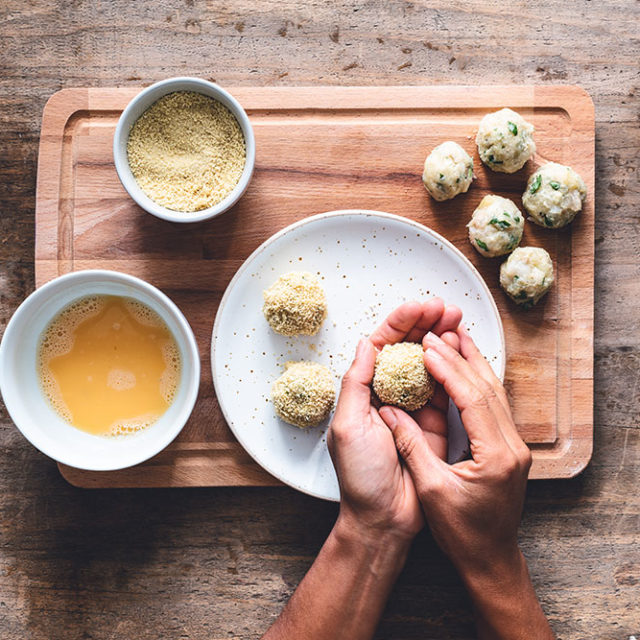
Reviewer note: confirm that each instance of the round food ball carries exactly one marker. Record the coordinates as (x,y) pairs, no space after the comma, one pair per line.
(527,275)
(448,171)
(554,195)
(496,226)
(400,377)
(505,141)
(295,304)
(304,394)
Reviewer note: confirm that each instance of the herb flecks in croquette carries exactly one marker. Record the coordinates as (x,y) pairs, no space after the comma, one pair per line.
(554,195)
(527,275)
(448,171)
(505,141)
(496,226)
(400,378)
(304,394)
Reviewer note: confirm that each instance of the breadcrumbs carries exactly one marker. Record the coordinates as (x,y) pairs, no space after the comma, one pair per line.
(304,394)
(295,304)
(186,151)
(400,377)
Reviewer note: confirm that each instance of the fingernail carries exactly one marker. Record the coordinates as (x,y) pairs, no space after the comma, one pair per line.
(432,337)
(360,347)
(433,354)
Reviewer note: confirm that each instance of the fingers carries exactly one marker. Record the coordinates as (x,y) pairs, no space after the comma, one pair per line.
(431,313)
(411,320)
(472,354)
(463,366)
(440,399)
(449,368)
(355,394)
(397,325)
(412,446)
(483,411)
(449,320)
(452,339)
(433,424)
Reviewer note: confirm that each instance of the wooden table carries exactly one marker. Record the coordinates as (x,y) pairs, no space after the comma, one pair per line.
(220,563)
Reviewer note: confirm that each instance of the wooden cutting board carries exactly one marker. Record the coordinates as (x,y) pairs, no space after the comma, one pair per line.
(321,149)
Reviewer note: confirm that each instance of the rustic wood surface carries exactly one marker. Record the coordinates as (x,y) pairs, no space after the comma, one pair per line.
(220,563)
(325,148)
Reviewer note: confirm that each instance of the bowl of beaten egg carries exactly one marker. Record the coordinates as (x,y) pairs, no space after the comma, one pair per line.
(184,149)
(99,370)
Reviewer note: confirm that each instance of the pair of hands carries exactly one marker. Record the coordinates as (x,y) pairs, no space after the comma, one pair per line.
(473,507)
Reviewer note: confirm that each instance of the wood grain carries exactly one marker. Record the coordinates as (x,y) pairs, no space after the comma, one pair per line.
(220,563)
(319,149)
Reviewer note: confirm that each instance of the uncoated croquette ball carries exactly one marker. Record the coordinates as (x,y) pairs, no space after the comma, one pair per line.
(496,226)
(505,141)
(527,275)
(400,377)
(554,195)
(304,394)
(448,171)
(295,304)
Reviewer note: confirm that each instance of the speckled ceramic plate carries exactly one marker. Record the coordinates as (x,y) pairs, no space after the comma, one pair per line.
(369,263)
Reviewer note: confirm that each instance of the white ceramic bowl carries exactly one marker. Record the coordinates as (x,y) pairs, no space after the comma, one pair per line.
(32,413)
(139,105)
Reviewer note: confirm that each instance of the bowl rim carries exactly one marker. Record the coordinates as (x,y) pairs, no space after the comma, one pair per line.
(126,121)
(191,360)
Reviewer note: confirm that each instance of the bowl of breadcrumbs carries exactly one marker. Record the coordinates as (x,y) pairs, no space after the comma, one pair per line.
(184,150)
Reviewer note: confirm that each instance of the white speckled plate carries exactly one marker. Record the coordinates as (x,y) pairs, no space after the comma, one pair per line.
(369,263)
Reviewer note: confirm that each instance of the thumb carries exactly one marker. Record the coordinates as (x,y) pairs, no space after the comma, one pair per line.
(412,446)
(355,394)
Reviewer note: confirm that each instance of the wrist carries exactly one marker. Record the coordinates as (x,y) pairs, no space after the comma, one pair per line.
(496,567)
(503,568)
(504,600)
(500,586)
(384,548)
(377,525)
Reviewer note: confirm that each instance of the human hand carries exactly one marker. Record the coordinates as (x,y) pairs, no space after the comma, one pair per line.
(473,507)
(377,494)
